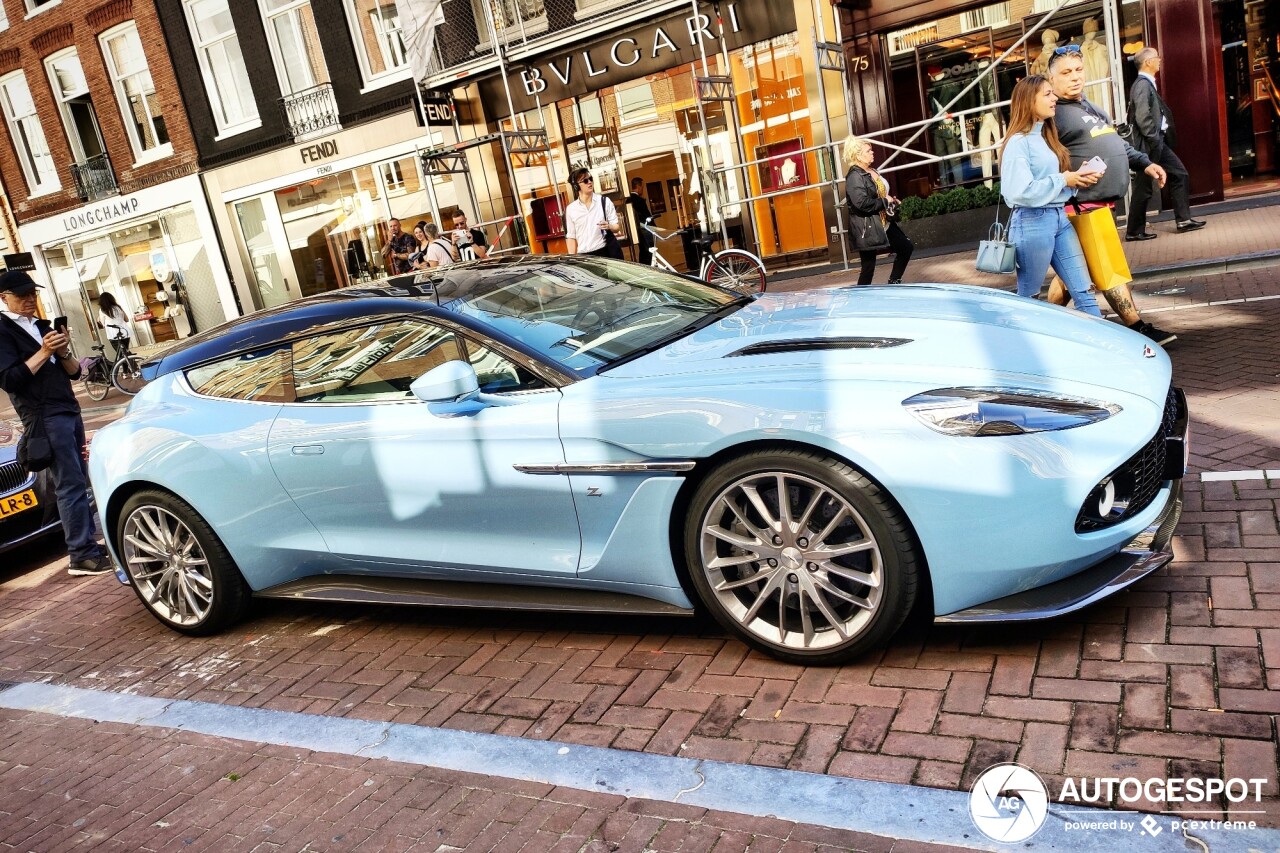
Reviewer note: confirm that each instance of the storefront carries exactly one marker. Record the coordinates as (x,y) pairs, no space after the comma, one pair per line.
(314,217)
(155,251)
(909,60)
(626,106)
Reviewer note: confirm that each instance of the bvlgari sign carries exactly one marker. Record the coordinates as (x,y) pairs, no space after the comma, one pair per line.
(633,54)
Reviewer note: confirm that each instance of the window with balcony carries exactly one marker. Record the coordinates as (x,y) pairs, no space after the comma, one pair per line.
(513,19)
(139,104)
(309,106)
(27,134)
(92,170)
(996,15)
(375,26)
(222,65)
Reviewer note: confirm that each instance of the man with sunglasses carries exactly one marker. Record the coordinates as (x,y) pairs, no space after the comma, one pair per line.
(1087,132)
(589,219)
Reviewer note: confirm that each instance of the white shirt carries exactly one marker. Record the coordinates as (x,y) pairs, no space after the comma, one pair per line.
(115,324)
(439,251)
(582,223)
(28,323)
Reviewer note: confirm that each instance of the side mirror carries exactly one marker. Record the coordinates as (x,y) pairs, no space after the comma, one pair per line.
(453,380)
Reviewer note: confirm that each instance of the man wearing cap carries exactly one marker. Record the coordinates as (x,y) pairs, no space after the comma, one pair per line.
(36,369)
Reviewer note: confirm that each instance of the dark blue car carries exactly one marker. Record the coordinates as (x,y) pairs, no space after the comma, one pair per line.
(28,509)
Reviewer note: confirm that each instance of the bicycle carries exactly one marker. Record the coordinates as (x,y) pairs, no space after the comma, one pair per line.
(97,375)
(733,269)
(126,374)
(100,373)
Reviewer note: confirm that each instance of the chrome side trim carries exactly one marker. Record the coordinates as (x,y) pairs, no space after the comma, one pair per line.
(606,468)
(1148,551)
(438,593)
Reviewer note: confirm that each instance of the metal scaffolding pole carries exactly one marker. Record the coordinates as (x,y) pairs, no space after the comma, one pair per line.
(824,64)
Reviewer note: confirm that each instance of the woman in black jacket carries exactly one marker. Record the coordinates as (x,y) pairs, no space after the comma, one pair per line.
(870,228)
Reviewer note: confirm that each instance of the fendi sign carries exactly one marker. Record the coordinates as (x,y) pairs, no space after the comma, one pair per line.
(631,55)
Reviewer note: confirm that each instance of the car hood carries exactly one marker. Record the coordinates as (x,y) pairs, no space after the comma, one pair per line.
(925,332)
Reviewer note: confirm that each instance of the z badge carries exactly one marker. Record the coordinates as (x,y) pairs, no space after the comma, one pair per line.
(1148,352)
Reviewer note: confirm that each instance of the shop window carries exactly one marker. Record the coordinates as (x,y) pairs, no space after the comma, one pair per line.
(636,104)
(27,135)
(76,108)
(139,104)
(222,65)
(996,15)
(295,44)
(264,376)
(375,28)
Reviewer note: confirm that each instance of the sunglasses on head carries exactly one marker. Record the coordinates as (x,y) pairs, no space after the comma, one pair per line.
(1066,48)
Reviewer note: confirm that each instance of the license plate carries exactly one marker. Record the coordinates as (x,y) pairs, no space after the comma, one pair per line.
(15,504)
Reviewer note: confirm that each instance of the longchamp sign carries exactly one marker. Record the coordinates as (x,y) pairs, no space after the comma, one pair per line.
(633,54)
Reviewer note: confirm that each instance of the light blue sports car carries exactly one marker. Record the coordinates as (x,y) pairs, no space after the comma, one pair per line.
(587,435)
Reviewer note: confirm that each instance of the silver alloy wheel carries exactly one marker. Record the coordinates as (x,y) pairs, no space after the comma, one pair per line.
(167,564)
(791,560)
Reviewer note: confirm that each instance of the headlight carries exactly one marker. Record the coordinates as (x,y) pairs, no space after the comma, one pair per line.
(1003,411)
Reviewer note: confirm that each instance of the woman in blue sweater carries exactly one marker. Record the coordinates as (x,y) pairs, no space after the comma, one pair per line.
(1036,181)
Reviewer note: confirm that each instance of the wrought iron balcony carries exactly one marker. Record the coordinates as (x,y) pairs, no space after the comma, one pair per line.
(311,112)
(94,178)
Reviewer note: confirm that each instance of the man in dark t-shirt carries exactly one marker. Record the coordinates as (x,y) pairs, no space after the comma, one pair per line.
(398,249)
(640,209)
(470,241)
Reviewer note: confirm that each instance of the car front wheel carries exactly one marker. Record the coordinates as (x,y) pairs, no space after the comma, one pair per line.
(800,556)
(178,567)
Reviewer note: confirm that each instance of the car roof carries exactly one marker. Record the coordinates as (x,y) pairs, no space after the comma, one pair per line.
(400,296)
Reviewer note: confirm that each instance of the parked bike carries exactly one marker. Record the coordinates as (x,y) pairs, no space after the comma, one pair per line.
(735,269)
(99,373)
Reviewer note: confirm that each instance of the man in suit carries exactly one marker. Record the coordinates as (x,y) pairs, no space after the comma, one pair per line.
(1154,136)
(36,369)
(640,210)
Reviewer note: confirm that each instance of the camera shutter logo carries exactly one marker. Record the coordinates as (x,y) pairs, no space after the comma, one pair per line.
(1008,803)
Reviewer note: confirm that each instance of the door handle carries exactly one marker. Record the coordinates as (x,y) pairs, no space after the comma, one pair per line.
(308,449)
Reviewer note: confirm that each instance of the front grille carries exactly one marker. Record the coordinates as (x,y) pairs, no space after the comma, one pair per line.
(12,477)
(1142,475)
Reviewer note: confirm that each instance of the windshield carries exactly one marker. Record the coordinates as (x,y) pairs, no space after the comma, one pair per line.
(585,313)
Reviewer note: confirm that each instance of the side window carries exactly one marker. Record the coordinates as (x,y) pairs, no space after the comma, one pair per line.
(265,376)
(370,363)
(497,373)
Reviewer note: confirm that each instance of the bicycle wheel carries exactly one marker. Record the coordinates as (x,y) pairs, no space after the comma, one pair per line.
(96,382)
(736,269)
(127,375)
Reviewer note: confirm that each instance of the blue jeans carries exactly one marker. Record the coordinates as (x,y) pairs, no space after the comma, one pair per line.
(71,484)
(1043,236)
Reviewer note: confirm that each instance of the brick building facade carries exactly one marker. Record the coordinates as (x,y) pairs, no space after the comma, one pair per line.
(99,162)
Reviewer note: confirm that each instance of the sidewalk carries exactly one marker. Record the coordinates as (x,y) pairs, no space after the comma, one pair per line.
(1237,233)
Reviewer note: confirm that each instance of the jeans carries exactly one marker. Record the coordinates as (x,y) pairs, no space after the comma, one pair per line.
(901,246)
(71,484)
(1043,236)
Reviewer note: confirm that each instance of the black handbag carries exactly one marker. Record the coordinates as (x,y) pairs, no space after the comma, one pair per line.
(612,246)
(868,233)
(35,452)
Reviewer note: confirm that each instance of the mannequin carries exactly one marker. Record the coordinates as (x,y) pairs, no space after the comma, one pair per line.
(176,314)
(1049,40)
(989,133)
(1097,66)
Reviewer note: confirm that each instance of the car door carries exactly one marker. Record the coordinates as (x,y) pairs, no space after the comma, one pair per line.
(391,481)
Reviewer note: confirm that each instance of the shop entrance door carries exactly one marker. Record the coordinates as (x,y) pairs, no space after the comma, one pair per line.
(261,231)
(1249,67)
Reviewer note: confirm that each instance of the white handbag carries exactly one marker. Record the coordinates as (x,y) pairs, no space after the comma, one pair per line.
(996,254)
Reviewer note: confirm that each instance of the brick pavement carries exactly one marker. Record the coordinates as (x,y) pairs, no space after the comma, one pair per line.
(1178,676)
(112,787)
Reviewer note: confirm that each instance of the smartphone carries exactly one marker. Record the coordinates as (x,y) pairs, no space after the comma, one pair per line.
(60,324)
(1094,164)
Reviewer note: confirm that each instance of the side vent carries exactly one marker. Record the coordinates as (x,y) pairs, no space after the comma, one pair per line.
(803,344)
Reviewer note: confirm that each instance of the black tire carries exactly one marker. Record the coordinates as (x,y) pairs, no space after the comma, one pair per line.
(96,383)
(780,589)
(206,570)
(127,375)
(735,269)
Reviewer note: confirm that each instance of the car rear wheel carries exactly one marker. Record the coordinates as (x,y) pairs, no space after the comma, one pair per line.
(800,556)
(179,568)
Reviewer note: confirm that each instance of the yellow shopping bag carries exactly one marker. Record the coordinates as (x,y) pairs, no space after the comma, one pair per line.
(1102,249)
